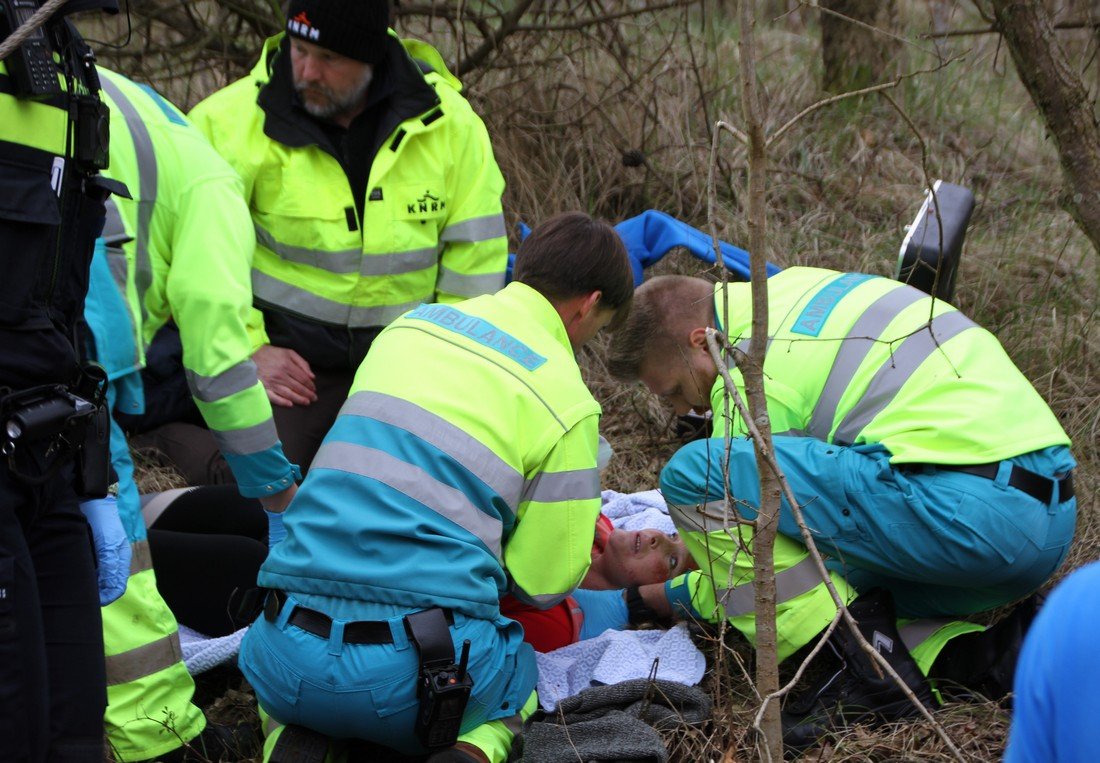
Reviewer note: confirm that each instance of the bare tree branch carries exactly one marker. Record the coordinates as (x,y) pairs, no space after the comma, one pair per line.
(777,134)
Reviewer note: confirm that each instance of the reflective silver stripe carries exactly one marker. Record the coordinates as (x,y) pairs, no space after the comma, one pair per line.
(475,229)
(903,362)
(294,299)
(154,504)
(270,725)
(791,582)
(743,346)
(792,433)
(469,285)
(229,382)
(344,261)
(116,261)
(542,601)
(242,442)
(114,230)
(339,261)
(114,235)
(474,456)
(514,724)
(411,480)
(551,487)
(399,262)
(917,632)
(144,660)
(146,194)
(140,557)
(702,518)
(853,351)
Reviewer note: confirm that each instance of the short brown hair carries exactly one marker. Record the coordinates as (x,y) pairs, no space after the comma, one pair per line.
(573,254)
(666,310)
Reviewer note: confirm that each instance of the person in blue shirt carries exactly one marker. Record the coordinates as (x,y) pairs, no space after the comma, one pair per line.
(1057,694)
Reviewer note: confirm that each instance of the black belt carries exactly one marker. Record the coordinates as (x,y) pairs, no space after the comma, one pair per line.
(1036,485)
(320,624)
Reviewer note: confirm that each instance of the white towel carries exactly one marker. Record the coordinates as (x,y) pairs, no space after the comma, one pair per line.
(616,656)
(637,511)
(201,653)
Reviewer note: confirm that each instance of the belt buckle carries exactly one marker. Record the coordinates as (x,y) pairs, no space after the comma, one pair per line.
(272,605)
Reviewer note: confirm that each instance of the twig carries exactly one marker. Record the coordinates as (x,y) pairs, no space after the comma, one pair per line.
(854,93)
(822,639)
(864,25)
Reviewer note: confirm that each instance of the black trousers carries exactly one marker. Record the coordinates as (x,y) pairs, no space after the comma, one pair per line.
(52,678)
(208,544)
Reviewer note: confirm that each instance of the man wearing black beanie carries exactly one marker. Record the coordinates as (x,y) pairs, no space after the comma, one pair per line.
(373,189)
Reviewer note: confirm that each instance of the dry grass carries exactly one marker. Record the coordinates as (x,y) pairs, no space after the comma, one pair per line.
(615,119)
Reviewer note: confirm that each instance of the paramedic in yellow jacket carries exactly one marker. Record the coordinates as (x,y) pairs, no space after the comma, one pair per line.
(373,188)
(462,467)
(925,463)
(178,249)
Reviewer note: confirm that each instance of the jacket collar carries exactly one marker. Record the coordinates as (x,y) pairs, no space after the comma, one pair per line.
(525,299)
(399,88)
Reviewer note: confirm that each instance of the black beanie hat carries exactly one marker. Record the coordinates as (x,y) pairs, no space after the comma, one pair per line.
(353,28)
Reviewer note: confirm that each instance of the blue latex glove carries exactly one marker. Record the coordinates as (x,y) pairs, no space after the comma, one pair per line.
(275,530)
(603,610)
(112,547)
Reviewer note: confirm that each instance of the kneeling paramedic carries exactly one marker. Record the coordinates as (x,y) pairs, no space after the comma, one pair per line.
(926,466)
(463,466)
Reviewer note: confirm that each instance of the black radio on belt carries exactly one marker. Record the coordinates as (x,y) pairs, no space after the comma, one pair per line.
(443,687)
(443,694)
(55,420)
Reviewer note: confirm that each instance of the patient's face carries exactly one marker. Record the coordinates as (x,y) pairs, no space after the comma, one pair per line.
(639,557)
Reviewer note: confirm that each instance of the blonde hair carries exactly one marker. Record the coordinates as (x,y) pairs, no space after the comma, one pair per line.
(665,311)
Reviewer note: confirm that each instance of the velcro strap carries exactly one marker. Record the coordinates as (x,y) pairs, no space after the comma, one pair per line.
(432,637)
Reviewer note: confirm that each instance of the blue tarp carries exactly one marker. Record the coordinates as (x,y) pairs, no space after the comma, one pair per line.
(650,236)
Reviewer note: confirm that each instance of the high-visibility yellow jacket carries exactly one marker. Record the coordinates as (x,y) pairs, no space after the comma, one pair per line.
(462,467)
(852,360)
(430,227)
(189,260)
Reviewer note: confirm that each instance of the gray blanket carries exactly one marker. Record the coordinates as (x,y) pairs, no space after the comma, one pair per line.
(618,722)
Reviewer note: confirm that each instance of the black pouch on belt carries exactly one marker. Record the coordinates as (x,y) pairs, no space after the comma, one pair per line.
(443,687)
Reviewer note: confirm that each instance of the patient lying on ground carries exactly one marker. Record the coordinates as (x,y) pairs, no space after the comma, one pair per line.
(621,559)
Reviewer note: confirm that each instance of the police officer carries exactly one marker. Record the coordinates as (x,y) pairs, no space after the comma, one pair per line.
(53,471)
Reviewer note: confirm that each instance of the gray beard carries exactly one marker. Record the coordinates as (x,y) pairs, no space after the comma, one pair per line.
(338,104)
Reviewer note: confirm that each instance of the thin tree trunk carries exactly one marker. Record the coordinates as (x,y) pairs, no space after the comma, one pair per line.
(763,541)
(1057,91)
(853,54)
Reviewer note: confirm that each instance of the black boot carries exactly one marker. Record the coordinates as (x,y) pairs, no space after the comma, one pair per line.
(852,691)
(297,744)
(983,665)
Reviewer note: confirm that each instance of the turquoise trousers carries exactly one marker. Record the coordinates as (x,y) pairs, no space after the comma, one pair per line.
(368,691)
(944,542)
